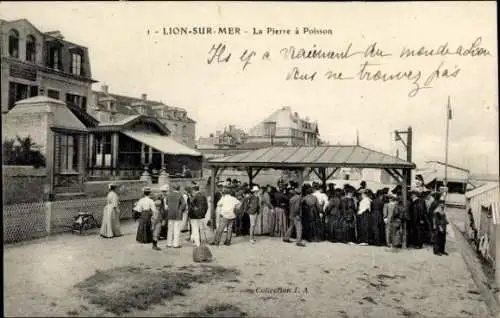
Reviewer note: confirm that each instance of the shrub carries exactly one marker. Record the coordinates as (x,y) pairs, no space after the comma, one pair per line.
(24,152)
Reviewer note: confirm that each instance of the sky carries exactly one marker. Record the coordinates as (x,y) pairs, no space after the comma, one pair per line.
(174,68)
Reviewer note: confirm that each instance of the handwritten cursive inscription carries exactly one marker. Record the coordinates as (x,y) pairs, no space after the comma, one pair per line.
(294,53)
(374,67)
(217,53)
(473,50)
(295,74)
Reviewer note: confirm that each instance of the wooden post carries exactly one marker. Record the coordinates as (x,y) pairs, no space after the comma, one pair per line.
(250,176)
(143,154)
(90,161)
(114,152)
(150,155)
(212,193)
(404,195)
(162,159)
(322,172)
(409,147)
(103,155)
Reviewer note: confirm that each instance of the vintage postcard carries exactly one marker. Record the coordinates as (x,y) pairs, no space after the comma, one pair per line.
(260,159)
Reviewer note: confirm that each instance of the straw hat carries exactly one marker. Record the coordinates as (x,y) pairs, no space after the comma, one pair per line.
(164,188)
(255,188)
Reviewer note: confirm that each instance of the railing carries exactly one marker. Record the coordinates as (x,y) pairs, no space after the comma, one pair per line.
(29,221)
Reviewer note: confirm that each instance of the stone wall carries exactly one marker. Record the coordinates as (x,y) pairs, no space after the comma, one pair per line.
(21,184)
(128,188)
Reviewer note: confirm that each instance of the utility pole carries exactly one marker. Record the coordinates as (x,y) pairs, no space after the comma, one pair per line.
(448,118)
(406,172)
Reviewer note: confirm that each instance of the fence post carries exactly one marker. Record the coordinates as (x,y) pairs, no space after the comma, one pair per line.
(48,216)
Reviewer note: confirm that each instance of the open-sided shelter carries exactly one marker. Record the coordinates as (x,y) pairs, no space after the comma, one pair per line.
(305,159)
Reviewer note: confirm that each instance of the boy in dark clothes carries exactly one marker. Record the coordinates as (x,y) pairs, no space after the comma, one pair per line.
(439,223)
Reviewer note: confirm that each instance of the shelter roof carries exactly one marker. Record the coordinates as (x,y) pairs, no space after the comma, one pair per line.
(306,156)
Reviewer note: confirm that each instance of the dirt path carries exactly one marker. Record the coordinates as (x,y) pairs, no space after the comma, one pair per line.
(276,279)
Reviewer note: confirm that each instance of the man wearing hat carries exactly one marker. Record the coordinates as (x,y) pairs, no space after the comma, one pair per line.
(416,220)
(197,213)
(253,209)
(164,210)
(295,215)
(439,224)
(226,209)
(176,207)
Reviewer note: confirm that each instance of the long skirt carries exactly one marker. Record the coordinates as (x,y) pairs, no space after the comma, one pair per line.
(310,223)
(263,220)
(395,234)
(241,225)
(144,232)
(363,223)
(279,223)
(110,222)
(377,226)
(332,228)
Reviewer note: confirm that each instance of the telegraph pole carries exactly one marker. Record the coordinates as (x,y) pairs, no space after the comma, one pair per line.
(406,172)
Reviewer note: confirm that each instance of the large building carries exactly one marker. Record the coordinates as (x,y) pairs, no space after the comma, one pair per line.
(108,107)
(285,126)
(42,63)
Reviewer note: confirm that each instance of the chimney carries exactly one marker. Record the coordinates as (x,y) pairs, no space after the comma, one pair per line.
(105,89)
(144,96)
(55,34)
(95,102)
(296,114)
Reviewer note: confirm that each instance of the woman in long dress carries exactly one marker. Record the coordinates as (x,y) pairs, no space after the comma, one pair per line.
(111,214)
(333,217)
(263,220)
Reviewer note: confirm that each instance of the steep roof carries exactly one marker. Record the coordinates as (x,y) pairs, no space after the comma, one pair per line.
(124,105)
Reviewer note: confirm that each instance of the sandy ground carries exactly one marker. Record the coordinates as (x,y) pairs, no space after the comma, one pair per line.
(320,280)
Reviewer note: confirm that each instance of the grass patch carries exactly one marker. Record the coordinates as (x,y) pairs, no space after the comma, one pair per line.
(217,310)
(121,290)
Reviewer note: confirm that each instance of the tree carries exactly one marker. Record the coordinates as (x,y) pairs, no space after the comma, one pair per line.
(22,152)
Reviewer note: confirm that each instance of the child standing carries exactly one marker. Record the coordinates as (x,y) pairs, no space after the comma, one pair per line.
(439,229)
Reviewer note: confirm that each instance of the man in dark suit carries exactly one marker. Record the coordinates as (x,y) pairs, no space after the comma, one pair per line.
(163,211)
(197,212)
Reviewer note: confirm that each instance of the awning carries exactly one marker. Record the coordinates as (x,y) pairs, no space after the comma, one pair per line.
(161,143)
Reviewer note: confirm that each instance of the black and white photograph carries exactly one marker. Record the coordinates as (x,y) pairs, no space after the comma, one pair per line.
(250,159)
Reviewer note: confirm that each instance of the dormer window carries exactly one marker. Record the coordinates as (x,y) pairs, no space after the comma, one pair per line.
(14,43)
(31,49)
(76,63)
(112,107)
(54,58)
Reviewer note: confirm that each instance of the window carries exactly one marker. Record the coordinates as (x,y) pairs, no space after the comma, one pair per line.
(14,43)
(53,94)
(55,57)
(76,63)
(68,153)
(103,151)
(33,90)
(77,101)
(30,49)
(19,91)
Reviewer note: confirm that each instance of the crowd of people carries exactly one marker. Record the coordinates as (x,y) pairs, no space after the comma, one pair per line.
(308,213)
